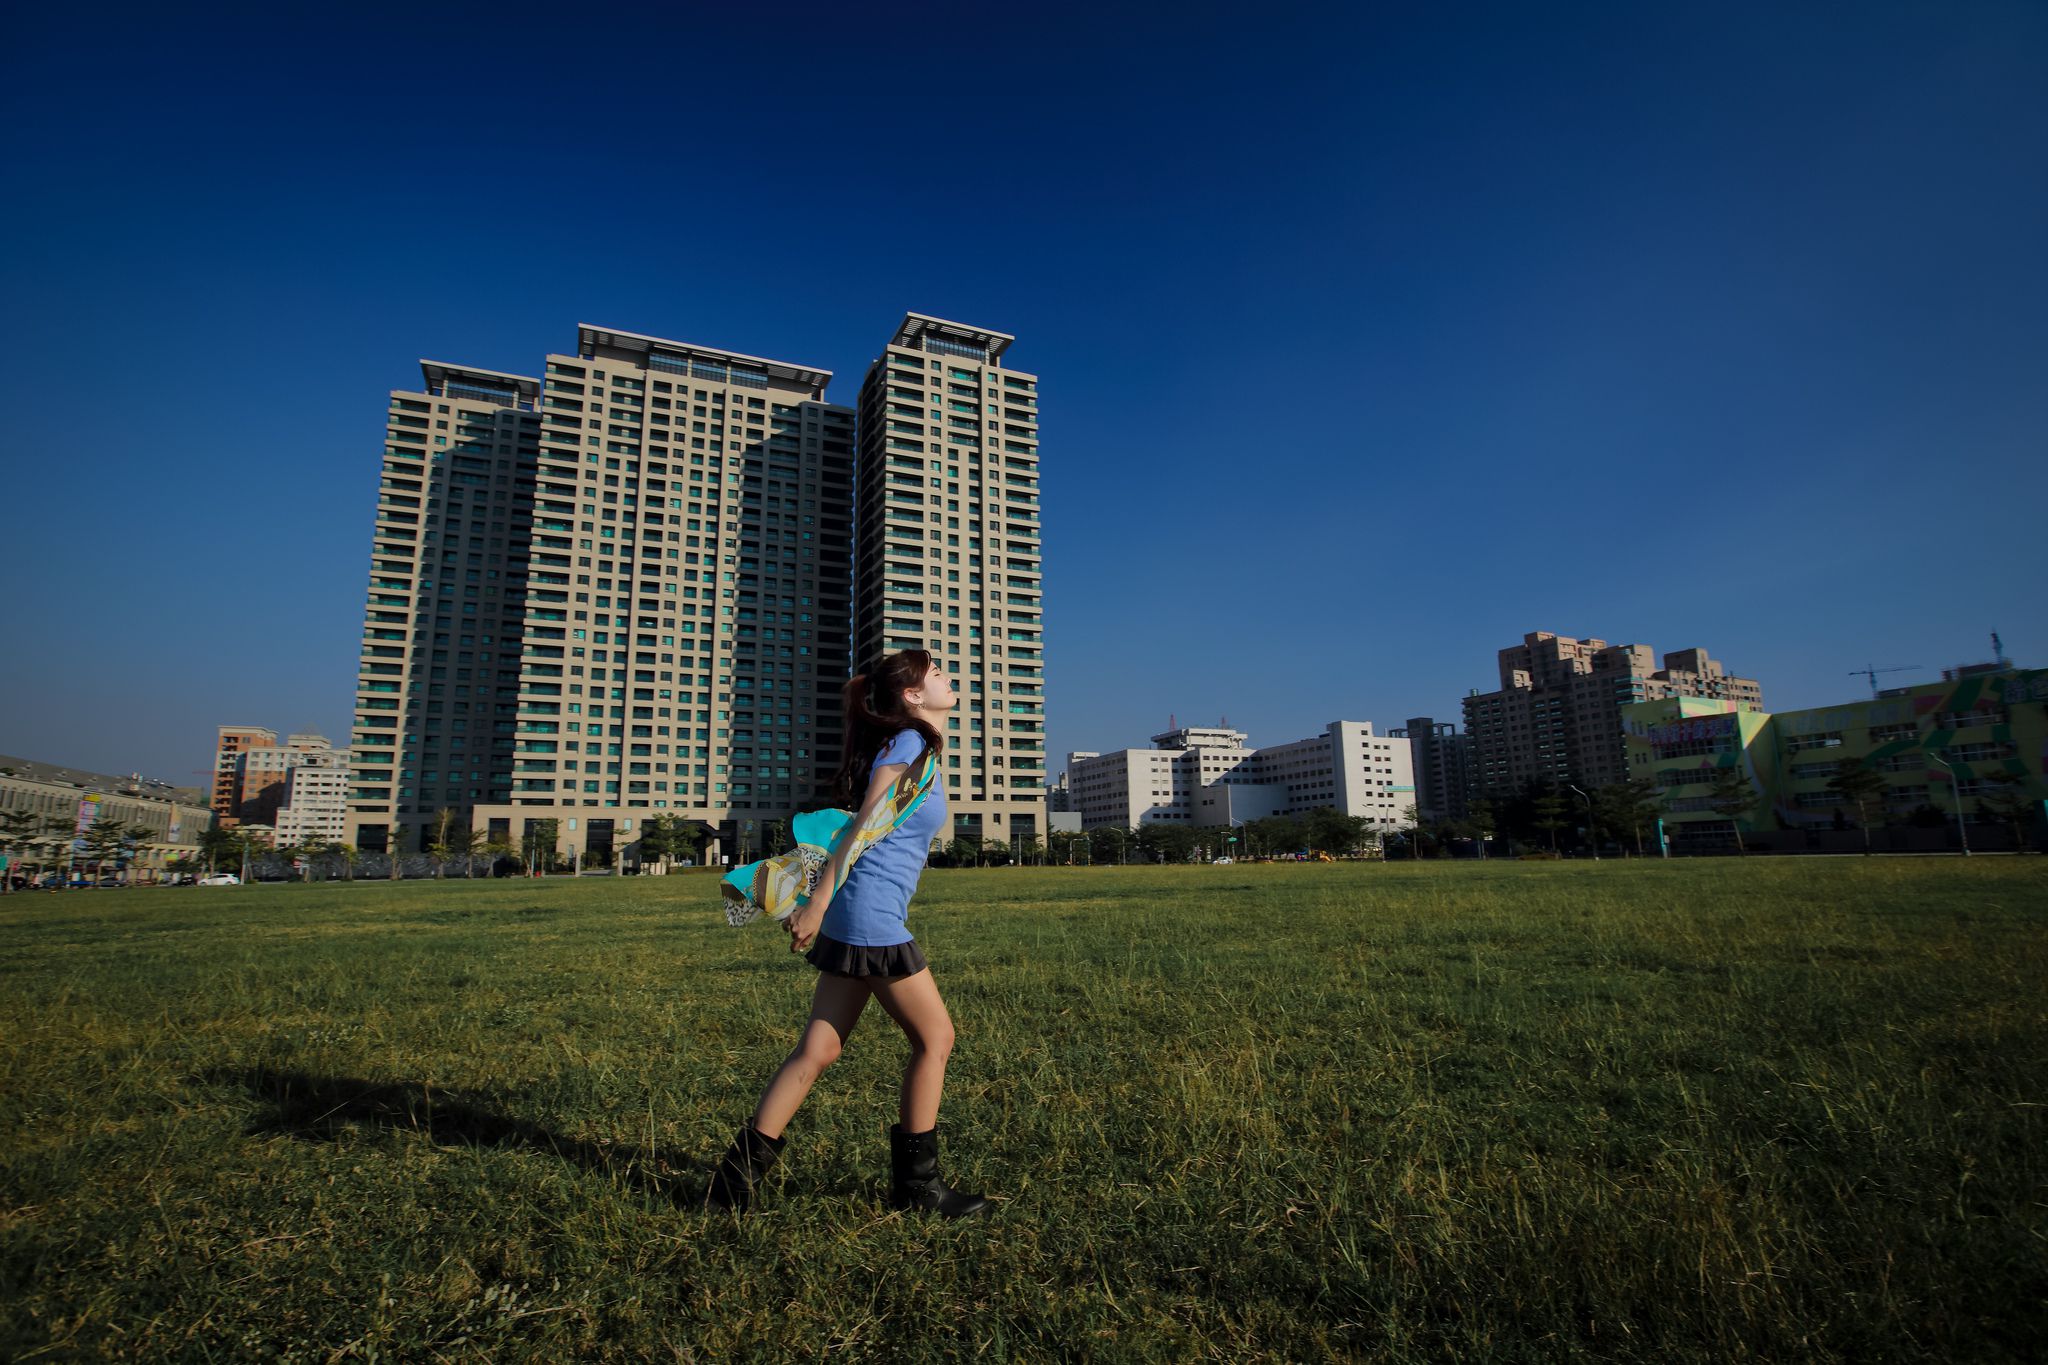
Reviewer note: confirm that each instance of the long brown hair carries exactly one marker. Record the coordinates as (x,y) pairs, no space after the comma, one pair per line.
(876,713)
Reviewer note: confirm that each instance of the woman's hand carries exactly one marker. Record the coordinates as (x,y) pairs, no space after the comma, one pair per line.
(804,921)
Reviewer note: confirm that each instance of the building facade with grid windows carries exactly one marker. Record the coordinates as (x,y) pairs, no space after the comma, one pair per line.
(662,628)
(1207,776)
(1556,719)
(948,555)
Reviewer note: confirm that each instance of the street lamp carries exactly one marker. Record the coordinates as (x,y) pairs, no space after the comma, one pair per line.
(1592,833)
(1962,830)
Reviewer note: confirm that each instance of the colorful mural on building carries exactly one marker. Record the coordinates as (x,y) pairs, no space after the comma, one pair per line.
(1978,737)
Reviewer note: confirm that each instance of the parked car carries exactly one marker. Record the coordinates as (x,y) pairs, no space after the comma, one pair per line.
(221,879)
(1221,861)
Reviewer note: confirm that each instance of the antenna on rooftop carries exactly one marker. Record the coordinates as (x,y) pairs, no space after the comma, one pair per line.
(1997,649)
(1871,673)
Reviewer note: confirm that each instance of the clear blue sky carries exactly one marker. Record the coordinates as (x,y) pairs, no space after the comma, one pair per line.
(1371,336)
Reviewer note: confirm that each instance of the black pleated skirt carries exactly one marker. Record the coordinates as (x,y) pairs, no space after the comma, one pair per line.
(847,959)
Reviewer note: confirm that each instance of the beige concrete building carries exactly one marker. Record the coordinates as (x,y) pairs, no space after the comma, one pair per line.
(676,583)
(1206,776)
(1442,759)
(70,800)
(1555,718)
(437,687)
(948,555)
(252,771)
(315,807)
(228,786)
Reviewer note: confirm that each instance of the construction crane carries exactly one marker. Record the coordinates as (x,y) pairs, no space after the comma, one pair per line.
(1871,673)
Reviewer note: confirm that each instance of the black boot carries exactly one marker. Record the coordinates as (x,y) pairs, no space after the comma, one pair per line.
(915,1183)
(749,1158)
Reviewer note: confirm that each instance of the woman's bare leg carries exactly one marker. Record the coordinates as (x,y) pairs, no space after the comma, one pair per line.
(835,1009)
(914,1003)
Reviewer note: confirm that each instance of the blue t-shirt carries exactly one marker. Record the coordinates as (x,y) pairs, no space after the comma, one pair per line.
(872,908)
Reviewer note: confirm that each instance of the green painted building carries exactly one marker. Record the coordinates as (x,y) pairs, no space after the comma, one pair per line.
(1960,739)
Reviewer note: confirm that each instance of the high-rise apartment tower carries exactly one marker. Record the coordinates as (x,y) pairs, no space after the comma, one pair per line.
(615,591)
(437,687)
(1554,719)
(948,555)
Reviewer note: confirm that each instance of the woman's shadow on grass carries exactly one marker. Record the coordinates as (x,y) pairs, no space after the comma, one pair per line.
(328,1108)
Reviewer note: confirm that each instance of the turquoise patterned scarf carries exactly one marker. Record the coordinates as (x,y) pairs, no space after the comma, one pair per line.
(777,886)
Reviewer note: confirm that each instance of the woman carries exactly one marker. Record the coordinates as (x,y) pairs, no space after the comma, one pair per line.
(859,941)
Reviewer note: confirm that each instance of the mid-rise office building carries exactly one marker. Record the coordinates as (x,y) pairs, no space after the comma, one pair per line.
(655,619)
(252,771)
(1442,759)
(168,819)
(1555,718)
(1207,776)
(948,555)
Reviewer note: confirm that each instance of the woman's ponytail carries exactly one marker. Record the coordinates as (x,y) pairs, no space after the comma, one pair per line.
(875,713)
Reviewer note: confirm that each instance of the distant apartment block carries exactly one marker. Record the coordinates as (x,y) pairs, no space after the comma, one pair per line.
(315,806)
(1206,776)
(1979,732)
(1442,759)
(252,771)
(948,555)
(234,741)
(1555,718)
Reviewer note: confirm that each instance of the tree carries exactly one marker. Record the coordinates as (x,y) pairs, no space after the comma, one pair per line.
(2009,803)
(288,854)
(105,840)
(657,840)
(1028,848)
(538,844)
(21,835)
(492,847)
(218,846)
(1548,813)
(1732,797)
(440,850)
(1861,788)
(1631,808)
(1480,818)
(136,849)
(1335,832)
(1108,843)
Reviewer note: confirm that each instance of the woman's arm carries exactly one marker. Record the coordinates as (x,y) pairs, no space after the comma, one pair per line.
(803,925)
(879,787)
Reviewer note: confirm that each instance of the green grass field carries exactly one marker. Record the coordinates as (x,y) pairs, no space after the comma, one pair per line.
(1696,1111)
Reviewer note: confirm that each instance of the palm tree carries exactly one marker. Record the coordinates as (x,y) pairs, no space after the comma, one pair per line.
(20,834)
(1547,813)
(1859,787)
(2008,802)
(441,849)
(1732,797)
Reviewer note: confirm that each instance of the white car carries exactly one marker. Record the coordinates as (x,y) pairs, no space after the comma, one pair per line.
(1219,862)
(221,879)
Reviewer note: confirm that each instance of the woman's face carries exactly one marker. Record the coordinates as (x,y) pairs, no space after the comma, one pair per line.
(935,693)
